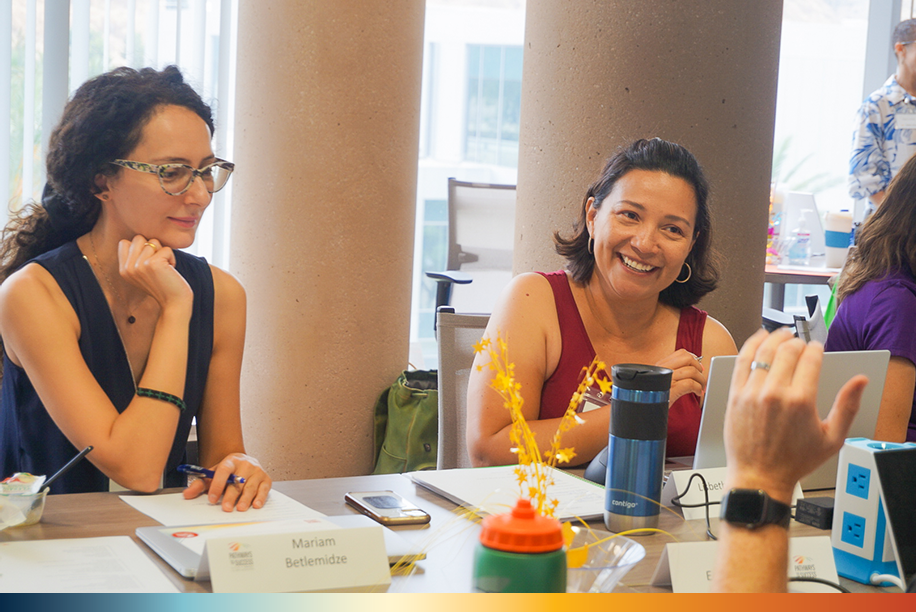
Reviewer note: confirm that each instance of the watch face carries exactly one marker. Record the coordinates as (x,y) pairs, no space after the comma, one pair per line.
(745,506)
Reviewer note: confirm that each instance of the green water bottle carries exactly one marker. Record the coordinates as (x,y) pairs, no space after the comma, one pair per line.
(520,552)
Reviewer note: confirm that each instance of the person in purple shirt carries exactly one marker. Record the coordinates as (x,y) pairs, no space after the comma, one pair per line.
(877,302)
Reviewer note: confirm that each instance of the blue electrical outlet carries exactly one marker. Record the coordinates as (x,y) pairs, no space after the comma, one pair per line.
(853,529)
(857,478)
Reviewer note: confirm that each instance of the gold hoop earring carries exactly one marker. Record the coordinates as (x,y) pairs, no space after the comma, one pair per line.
(591,245)
(689,273)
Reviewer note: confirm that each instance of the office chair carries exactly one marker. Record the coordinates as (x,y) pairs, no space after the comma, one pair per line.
(812,327)
(457,334)
(481,237)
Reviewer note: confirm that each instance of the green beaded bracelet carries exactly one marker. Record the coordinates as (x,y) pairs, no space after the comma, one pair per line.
(161,395)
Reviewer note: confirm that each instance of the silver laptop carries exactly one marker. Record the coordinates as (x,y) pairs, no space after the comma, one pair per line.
(836,370)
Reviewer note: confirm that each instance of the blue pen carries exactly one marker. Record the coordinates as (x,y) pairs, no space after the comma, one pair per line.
(196,470)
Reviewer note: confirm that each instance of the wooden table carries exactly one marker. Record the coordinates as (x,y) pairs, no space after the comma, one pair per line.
(449,540)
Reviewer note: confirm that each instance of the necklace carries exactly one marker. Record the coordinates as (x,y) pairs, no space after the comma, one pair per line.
(131,319)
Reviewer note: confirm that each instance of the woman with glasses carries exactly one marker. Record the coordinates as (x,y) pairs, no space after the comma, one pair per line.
(113,337)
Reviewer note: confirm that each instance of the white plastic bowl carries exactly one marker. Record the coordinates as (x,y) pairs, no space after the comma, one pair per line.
(19,509)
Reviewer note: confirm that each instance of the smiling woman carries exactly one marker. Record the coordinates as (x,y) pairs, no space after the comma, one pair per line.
(639,259)
(113,337)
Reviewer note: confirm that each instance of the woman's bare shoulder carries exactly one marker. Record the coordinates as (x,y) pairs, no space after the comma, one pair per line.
(717,340)
(528,295)
(226,286)
(28,285)
(33,306)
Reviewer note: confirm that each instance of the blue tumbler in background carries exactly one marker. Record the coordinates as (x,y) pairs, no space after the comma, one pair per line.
(636,446)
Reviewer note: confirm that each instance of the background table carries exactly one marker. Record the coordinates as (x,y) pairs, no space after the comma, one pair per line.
(449,540)
(780,277)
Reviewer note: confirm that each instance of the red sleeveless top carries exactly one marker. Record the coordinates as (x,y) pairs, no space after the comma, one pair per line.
(577,352)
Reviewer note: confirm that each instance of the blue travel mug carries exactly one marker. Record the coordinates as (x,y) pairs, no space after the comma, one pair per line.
(636,446)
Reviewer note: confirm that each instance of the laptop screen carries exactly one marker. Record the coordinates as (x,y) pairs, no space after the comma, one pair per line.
(836,370)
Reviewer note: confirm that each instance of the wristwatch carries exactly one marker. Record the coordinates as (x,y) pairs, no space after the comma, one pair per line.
(753,508)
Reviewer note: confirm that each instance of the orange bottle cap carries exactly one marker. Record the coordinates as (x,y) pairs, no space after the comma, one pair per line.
(523,531)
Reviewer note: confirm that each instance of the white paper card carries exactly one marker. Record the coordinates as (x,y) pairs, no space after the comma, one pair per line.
(113,564)
(174,509)
(317,556)
(495,490)
(687,567)
(715,483)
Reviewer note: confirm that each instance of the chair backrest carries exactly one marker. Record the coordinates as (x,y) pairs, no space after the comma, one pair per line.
(812,327)
(457,335)
(481,225)
(481,236)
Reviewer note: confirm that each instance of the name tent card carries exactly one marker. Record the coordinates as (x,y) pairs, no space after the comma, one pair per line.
(687,567)
(715,484)
(316,556)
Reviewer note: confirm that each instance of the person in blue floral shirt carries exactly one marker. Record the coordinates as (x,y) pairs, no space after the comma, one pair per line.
(885,134)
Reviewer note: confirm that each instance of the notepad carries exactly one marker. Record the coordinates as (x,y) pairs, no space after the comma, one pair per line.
(174,509)
(111,564)
(494,490)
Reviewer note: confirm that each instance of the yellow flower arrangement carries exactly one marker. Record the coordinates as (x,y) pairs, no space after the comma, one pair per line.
(532,473)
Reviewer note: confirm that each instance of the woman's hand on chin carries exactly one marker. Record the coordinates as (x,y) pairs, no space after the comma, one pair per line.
(251,494)
(688,375)
(146,264)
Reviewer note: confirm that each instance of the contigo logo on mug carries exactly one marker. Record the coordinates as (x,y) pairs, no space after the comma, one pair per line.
(625,504)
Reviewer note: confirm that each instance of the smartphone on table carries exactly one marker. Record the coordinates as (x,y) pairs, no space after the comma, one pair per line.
(387,507)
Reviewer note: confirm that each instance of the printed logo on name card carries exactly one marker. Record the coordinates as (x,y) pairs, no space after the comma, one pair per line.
(241,557)
(804,567)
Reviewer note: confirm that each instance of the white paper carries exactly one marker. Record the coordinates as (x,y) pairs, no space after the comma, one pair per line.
(174,509)
(495,490)
(84,565)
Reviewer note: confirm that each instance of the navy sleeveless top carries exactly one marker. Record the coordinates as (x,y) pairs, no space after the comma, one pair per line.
(29,439)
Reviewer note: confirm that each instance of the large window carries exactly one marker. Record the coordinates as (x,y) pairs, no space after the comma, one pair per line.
(824,75)
(493,103)
(472,73)
(50,47)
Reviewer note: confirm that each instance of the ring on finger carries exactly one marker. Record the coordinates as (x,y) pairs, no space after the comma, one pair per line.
(760,365)
(150,244)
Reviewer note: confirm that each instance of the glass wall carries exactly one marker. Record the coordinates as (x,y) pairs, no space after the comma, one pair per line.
(93,37)
(472,74)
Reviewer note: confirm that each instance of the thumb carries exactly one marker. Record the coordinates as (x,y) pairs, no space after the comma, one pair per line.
(195,488)
(844,410)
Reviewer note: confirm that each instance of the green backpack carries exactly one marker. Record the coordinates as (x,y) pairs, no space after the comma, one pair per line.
(407,424)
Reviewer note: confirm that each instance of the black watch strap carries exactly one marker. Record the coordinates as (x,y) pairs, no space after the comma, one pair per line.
(752,508)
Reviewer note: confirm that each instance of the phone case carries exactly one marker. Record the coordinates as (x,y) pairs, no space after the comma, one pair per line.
(387,507)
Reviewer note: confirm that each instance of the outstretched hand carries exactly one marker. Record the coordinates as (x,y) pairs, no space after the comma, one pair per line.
(773,433)
(251,494)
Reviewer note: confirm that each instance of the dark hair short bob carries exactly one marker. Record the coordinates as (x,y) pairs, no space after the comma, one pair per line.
(661,156)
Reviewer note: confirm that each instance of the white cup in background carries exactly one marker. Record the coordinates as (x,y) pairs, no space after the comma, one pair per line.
(837,233)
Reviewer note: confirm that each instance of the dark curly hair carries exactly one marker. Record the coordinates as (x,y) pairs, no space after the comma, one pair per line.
(661,156)
(103,121)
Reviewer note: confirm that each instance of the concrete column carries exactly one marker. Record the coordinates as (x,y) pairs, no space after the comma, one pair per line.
(601,73)
(327,130)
